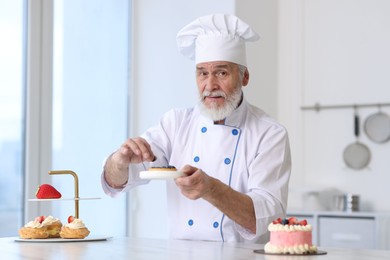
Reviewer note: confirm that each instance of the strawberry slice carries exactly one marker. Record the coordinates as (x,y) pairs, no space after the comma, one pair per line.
(278,221)
(293,221)
(40,219)
(302,222)
(46,191)
(70,219)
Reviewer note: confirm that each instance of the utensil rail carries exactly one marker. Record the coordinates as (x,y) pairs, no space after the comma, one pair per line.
(317,107)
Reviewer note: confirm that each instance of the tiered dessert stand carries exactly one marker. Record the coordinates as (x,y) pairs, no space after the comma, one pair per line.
(76,191)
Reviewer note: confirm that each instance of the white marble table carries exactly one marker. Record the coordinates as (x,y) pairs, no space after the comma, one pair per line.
(135,248)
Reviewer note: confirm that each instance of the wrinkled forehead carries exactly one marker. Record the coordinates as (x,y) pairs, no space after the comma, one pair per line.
(216,65)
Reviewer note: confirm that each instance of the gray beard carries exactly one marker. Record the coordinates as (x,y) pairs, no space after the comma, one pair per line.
(215,113)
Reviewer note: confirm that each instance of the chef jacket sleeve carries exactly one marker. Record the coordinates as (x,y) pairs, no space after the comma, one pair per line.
(132,182)
(269,175)
(159,139)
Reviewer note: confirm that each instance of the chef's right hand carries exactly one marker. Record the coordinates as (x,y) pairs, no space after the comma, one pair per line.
(134,150)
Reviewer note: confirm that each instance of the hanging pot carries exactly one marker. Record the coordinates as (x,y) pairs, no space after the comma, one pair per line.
(377,127)
(357,155)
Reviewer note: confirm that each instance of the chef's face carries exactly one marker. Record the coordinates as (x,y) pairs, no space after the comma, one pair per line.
(219,85)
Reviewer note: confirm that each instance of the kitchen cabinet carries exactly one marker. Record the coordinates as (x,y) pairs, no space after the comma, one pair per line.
(366,230)
(346,232)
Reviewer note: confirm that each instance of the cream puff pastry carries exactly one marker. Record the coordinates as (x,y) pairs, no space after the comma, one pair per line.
(41,227)
(74,229)
(53,226)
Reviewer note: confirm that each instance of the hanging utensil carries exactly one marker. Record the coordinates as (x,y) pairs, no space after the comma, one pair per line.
(357,155)
(377,127)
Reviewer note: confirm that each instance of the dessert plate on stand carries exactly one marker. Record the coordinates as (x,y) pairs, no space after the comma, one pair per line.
(63,240)
(64,199)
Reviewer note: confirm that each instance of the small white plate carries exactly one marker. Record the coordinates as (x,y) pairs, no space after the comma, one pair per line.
(63,240)
(160,175)
(64,199)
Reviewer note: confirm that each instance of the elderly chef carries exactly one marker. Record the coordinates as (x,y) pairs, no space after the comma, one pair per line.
(235,157)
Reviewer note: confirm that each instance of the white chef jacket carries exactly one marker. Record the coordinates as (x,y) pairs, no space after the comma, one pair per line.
(250,153)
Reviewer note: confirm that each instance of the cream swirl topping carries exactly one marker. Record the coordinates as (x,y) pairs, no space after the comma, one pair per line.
(33,224)
(75,224)
(37,224)
(50,220)
(298,249)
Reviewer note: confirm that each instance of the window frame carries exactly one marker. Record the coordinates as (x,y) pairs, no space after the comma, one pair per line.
(38,107)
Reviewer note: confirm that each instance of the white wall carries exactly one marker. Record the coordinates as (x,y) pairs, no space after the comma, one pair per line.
(334,52)
(262,55)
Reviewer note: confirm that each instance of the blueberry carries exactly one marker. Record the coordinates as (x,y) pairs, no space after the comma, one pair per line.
(285,221)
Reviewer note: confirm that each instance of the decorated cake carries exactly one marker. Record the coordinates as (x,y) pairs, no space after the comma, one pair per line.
(290,236)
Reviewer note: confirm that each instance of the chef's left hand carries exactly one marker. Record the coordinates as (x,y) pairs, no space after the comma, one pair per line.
(196,184)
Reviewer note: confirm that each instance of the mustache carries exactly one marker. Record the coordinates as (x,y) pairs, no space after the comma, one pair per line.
(217,93)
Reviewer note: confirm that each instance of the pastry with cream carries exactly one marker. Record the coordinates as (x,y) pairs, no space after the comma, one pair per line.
(41,227)
(53,226)
(74,229)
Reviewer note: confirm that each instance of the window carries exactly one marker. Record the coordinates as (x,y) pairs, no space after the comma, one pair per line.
(90,107)
(91,43)
(12,63)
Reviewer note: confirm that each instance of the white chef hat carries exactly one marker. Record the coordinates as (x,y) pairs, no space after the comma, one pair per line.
(216,37)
